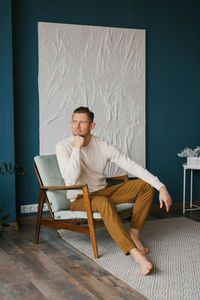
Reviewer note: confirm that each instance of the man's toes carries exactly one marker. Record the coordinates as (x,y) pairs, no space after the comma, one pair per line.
(144,251)
(146,270)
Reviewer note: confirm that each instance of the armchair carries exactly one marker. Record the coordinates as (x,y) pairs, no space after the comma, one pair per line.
(53,191)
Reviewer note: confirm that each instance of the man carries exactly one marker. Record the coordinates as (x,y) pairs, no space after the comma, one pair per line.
(83,158)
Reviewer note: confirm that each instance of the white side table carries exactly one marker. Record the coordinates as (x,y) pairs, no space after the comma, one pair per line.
(191,168)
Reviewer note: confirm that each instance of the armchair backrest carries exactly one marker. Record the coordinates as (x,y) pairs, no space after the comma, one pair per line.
(49,172)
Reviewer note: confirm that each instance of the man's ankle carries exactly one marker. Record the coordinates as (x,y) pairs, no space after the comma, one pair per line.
(134,251)
(134,232)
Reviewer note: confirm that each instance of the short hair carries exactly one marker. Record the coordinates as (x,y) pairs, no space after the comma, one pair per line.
(84,110)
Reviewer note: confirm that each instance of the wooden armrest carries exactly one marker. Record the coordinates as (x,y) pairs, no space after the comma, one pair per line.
(122,177)
(83,187)
(71,187)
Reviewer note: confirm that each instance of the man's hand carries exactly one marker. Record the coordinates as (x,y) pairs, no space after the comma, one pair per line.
(165,197)
(78,141)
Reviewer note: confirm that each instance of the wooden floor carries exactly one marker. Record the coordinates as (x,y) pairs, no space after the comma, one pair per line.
(56,270)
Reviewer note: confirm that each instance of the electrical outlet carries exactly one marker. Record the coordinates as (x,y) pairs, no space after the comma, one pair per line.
(32,208)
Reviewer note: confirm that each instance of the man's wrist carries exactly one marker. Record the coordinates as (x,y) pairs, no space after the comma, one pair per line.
(76,148)
(163,187)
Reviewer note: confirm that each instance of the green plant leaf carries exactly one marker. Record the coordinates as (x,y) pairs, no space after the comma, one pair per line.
(2,209)
(1,228)
(8,170)
(19,170)
(16,169)
(5,225)
(1,171)
(5,217)
(5,166)
(3,231)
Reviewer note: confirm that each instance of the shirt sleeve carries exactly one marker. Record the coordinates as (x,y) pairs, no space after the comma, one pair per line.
(69,163)
(130,166)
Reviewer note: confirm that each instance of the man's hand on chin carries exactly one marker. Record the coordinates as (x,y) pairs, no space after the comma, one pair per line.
(165,197)
(78,141)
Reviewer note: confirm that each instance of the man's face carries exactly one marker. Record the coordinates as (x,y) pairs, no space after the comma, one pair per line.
(81,125)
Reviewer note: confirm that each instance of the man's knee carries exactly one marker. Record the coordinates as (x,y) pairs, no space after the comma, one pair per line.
(144,184)
(141,183)
(148,191)
(101,203)
(146,187)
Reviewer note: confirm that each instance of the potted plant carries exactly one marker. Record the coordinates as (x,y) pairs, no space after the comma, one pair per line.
(9,169)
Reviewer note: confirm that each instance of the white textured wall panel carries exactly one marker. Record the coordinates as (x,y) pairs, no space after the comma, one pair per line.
(99,67)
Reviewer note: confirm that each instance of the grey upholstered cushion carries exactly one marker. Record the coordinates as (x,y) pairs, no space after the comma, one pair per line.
(49,171)
(68,214)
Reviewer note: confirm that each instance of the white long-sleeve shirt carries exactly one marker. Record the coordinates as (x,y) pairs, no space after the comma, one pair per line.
(87,165)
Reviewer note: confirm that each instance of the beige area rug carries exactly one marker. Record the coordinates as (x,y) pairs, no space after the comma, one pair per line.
(175,253)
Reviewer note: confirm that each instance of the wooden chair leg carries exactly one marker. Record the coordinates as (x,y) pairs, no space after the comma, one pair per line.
(39,215)
(90,220)
(93,237)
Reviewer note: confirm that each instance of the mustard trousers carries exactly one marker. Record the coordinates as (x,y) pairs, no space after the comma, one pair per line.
(104,201)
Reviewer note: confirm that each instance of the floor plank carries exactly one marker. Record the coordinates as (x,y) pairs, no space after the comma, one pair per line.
(53,270)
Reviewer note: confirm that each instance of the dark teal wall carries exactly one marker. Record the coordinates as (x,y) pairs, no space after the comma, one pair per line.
(7,182)
(173,69)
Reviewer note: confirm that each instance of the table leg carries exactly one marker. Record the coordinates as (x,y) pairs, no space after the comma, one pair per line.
(191,187)
(184,177)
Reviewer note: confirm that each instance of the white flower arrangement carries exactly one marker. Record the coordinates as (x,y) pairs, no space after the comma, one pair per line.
(187,152)
(193,156)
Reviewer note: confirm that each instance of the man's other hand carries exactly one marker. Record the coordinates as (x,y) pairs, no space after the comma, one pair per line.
(165,197)
(78,141)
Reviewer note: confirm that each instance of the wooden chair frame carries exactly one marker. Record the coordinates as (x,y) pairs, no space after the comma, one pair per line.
(71,224)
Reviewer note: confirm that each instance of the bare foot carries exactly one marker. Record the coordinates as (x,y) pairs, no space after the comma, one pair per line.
(145,264)
(134,234)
